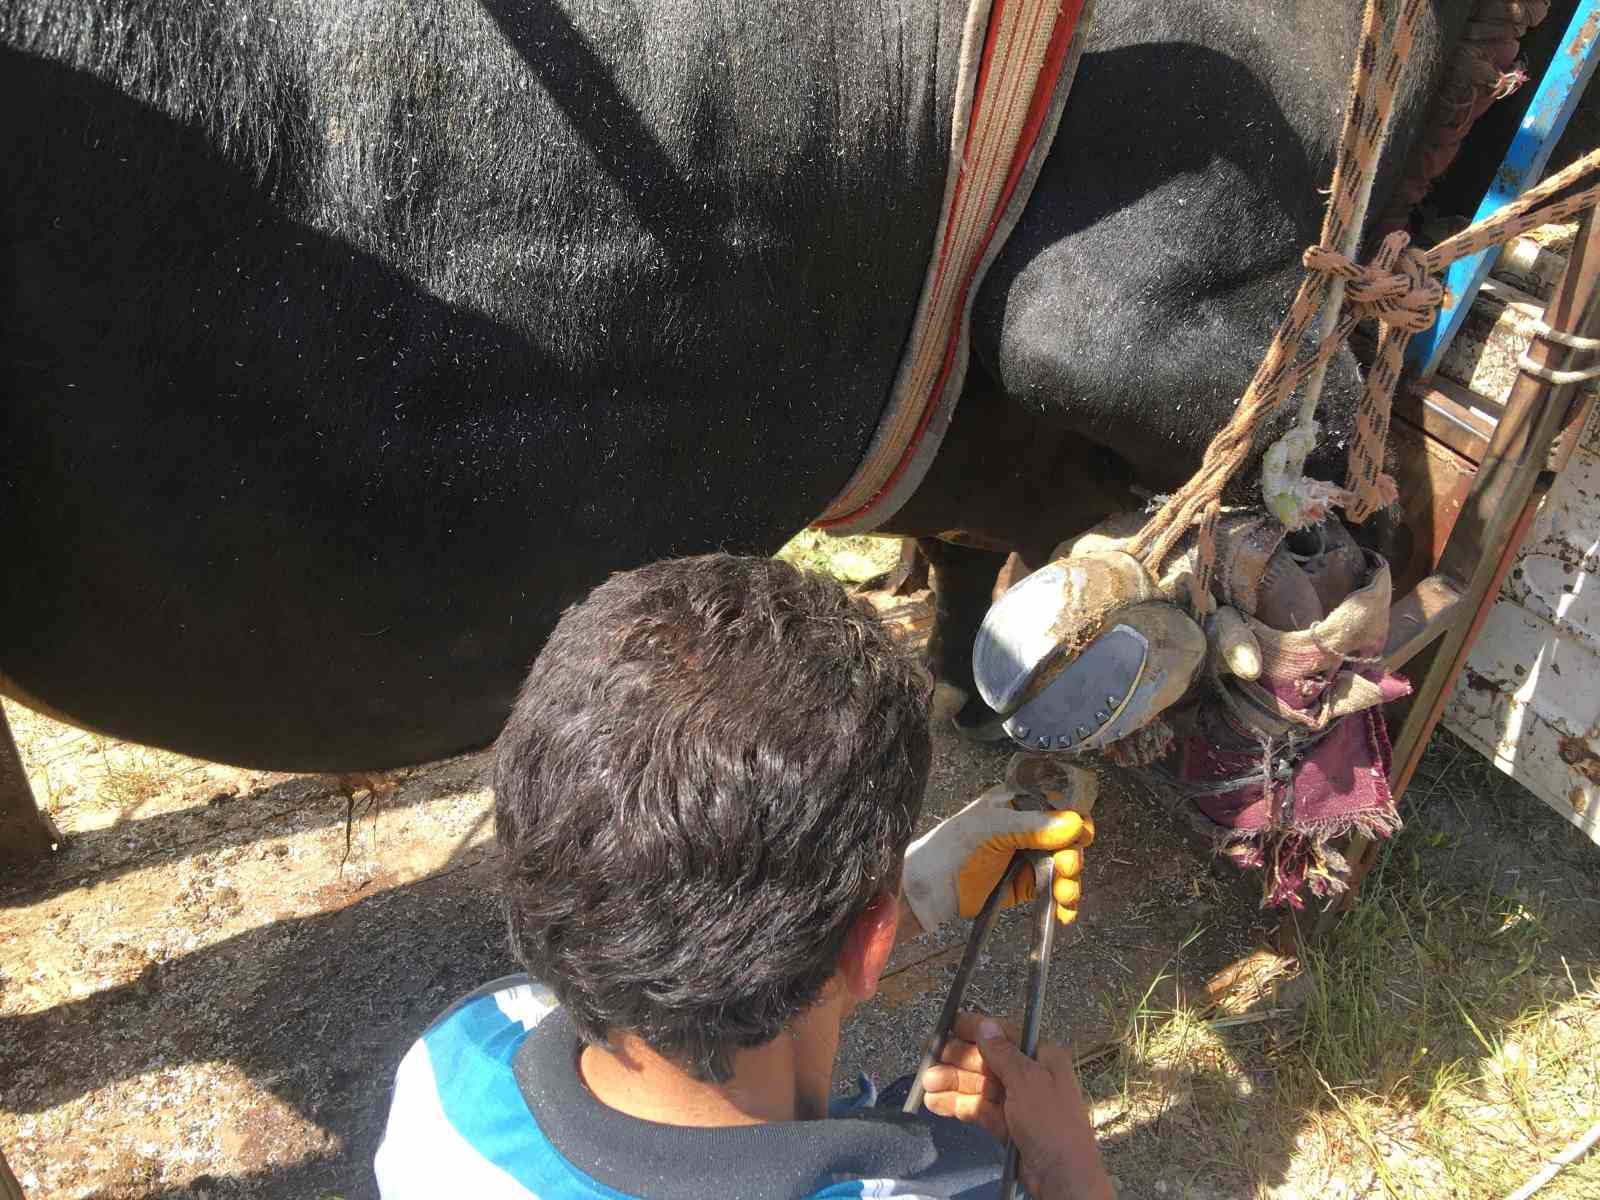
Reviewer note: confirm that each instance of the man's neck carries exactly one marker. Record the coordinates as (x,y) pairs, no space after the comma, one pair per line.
(786,1079)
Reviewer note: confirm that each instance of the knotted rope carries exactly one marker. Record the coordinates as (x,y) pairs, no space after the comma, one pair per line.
(1399,289)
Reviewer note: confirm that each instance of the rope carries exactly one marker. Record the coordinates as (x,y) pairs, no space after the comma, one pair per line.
(1559,378)
(1277,375)
(1405,299)
(1399,289)
(1343,222)
(1570,340)
(1483,69)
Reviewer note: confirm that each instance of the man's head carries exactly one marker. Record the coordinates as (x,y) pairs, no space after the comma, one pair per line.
(712,772)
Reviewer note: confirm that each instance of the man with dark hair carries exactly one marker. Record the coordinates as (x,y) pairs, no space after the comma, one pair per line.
(705,796)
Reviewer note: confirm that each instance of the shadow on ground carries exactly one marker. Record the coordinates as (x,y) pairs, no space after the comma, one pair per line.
(316,1011)
(299,802)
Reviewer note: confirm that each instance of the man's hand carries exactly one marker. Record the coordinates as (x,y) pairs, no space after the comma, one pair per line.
(984,1079)
(951,870)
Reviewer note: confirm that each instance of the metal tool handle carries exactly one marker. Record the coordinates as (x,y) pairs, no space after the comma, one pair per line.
(982,926)
(1043,866)
(1044,938)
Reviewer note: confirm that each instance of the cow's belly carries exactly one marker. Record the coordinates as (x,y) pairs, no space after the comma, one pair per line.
(306,444)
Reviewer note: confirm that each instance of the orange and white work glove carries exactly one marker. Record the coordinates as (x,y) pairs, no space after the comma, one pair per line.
(950,870)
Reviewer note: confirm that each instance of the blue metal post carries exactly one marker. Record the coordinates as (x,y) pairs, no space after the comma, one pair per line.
(1558,94)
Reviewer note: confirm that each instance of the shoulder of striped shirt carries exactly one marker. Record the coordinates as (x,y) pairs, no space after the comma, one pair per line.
(422,1154)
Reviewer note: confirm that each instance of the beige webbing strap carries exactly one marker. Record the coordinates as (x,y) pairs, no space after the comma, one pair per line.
(1017,62)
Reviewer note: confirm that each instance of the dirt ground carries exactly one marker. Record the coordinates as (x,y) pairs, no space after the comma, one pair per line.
(202,996)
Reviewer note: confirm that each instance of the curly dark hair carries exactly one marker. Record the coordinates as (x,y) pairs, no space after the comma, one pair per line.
(713,768)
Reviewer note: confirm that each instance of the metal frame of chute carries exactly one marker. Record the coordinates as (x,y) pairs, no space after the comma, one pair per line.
(1434,626)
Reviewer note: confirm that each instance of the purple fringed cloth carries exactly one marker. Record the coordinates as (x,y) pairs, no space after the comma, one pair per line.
(1280,766)
(1336,786)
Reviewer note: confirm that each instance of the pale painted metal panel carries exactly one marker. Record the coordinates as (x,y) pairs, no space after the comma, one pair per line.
(1529,699)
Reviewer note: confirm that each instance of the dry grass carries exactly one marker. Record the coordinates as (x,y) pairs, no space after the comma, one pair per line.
(1441,1042)
(1447,1044)
(852,559)
(101,780)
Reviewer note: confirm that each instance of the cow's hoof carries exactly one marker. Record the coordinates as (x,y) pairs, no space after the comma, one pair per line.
(977,722)
(966,713)
(1084,652)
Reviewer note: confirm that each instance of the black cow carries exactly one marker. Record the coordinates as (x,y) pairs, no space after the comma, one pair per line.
(344,345)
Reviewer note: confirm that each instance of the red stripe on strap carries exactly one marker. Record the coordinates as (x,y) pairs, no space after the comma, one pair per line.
(1038,108)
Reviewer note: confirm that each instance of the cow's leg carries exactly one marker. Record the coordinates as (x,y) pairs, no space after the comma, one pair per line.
(26,833)
(963,587)
(10,1189)
(907,577)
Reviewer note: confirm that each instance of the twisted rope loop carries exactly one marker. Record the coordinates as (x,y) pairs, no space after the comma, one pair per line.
(1399,289)
(1394,288)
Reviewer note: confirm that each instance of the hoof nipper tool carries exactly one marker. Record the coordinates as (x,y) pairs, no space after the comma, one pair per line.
(1033,776)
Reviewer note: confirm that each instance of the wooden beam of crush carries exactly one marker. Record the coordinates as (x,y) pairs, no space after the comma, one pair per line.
(1420,617)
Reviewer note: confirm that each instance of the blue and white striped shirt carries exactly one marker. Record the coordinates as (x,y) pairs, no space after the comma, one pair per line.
(489,1104)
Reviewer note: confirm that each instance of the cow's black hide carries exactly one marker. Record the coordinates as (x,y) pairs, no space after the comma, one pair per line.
(343,345)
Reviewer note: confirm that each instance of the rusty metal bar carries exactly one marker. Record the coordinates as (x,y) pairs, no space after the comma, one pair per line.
(1561,450)
(1499,510)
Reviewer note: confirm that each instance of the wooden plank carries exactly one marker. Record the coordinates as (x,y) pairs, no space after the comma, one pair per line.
(1450,413)
(1419,617)
(1503,291)
(1434,482)
(1571,436)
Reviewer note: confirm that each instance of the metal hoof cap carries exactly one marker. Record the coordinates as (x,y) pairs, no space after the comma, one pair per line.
(1078,655)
